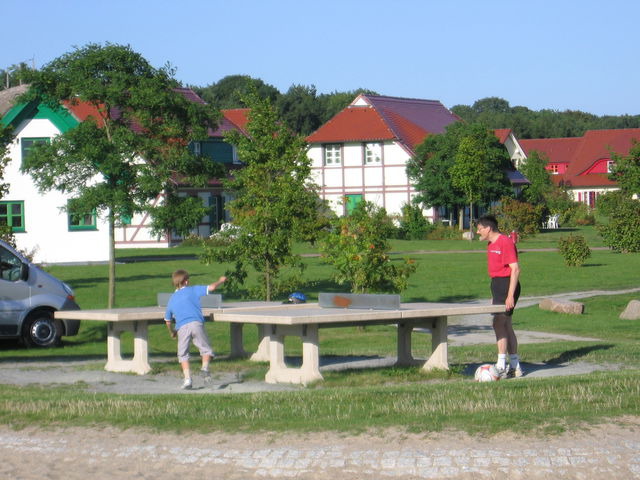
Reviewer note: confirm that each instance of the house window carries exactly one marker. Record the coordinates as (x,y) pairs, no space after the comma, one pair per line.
(12,215)
(610,164)
(81,220)
(372,153)
(333,154)
(553,168)
(27,144)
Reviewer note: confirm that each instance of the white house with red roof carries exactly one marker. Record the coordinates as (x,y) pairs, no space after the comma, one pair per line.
(362,152)
(40,221)
(582,164)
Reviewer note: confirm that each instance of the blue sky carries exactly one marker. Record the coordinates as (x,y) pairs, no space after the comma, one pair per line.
(562,54)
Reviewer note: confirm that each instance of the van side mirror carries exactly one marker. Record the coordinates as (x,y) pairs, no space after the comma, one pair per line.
(24,272)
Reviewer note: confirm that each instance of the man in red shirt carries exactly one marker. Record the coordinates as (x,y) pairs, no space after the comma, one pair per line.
(502,261)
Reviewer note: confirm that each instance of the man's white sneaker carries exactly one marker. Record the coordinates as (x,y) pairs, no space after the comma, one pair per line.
(187,384)
(502,372)
(206,375)
(515,372)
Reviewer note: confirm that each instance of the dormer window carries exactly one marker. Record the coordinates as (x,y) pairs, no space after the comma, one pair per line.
(333,154)
(610,164)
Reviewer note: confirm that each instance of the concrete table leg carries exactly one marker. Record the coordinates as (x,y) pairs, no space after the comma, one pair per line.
(439,347)
(405,357)
(262,354)
(236,339)
(140,362)
(309,371)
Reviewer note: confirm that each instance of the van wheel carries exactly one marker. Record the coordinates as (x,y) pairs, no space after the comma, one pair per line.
(41,330)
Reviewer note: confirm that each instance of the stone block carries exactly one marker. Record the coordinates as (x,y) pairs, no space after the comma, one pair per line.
(561,306)
(632,312)
(467,236)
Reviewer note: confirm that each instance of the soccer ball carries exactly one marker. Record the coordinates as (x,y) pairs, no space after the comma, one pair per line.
(486,373)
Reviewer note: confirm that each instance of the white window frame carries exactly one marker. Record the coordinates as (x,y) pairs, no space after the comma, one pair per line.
(370,157)
(332,154)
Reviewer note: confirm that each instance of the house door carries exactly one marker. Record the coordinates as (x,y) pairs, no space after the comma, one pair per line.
(351,202)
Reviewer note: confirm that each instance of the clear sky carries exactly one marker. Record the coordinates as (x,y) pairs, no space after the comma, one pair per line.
(556,54)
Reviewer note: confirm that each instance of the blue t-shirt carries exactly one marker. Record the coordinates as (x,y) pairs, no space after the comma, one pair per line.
(184,305)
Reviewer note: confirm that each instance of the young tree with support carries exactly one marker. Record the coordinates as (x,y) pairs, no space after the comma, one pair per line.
(275,202)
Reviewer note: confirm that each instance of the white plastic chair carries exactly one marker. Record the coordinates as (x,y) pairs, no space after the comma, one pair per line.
(552,221)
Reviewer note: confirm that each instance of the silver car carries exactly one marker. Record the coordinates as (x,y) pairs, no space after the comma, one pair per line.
(28,298)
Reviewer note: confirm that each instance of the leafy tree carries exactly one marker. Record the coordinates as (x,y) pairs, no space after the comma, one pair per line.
(479,168)
(301,109)
(358,248)
(429,168)
(135,150)
(6,137)
(14,75)
(535,171)
(622,233)
(274,200)
(465,164)
(626,170)
(230,90)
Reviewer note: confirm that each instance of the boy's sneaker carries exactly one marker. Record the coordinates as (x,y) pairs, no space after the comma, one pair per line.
(515,372)
(502,372)
(187,384)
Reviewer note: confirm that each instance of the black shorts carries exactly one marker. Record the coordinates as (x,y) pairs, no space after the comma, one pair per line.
(500,289)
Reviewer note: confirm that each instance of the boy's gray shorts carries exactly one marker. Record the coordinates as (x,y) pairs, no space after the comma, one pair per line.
(193,332)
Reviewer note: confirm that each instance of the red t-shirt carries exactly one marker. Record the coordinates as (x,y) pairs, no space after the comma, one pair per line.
(500,254)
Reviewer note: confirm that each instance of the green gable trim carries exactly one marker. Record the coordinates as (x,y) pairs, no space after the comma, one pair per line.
(60,117)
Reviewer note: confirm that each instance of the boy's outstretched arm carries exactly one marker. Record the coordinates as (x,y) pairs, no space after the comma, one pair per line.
(215,285)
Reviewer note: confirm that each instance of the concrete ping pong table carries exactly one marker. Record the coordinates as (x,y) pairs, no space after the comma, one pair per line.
(276,321)
(304,321)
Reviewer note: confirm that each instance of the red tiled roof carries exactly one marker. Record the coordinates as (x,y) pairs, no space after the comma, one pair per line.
(502,134)
(405,120)
(232,119)
(84,110)
(581,153)
(354,123)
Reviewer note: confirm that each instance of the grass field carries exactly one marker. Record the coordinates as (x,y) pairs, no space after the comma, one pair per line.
(404,398)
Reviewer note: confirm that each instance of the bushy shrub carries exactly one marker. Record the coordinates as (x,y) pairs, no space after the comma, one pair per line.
(578,214)
(440,231)
(413,225)
(522,217)
(357,247)
(622,233)
(574,250)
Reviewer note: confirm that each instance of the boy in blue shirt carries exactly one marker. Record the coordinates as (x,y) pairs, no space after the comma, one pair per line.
(184,308)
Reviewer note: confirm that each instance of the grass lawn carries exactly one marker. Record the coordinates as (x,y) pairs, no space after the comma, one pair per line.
(359,400)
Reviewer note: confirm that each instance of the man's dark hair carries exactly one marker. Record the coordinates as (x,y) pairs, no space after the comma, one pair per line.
(489,221)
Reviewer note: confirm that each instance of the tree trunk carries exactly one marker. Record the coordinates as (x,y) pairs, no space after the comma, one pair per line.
(112,261)
(471,220)
(461,218)
(267,281)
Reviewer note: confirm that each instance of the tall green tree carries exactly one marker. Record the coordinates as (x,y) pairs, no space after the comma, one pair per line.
(137,147)
(466,164)
(535,171)
(429,169)
(275,202)
(229,91)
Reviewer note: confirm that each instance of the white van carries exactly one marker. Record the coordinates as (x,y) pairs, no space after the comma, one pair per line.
(28,298)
